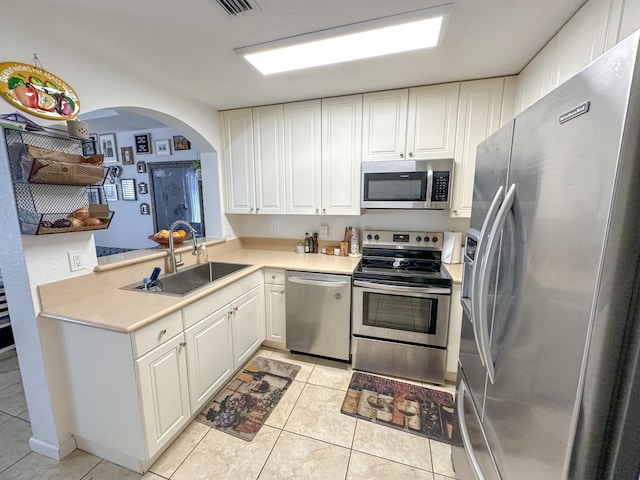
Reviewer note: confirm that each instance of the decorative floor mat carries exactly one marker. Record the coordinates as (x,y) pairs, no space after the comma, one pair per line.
(403,406)
(242,407)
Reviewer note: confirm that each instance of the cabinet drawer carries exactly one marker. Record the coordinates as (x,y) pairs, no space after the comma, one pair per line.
(149,337)
(273,275)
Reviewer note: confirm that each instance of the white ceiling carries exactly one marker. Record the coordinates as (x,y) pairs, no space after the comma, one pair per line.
(188,46)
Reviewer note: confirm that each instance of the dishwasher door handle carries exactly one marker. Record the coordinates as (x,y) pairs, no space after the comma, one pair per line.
(319,283)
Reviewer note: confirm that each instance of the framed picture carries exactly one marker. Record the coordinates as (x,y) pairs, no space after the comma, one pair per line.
(108,147)
(128,189)
(143,143)
(142,167)
(163,148)
(111,192)
(126,153)
(143,188)
(181,143)
(94,138)
(89,147)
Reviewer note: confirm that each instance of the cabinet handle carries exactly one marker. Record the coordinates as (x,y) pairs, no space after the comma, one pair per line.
(324,210)
(230,312)
(257,209)
(235,309)
(163,331)
(251,210)
(183,344)
(401,155)
(411,154)
(273,277)
(317,210)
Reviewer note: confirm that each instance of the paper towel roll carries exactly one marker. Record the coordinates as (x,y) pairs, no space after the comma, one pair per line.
(451,247)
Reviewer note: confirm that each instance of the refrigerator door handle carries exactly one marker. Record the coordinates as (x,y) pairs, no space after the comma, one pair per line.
(466,440)
(487,261)
(475,271)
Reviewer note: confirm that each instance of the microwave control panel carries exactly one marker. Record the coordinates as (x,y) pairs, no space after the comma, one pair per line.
(440,192)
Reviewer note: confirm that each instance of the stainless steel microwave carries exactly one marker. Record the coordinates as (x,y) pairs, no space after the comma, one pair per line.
(414,184)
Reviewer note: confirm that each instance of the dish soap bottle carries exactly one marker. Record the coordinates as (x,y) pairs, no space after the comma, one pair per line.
(307,243)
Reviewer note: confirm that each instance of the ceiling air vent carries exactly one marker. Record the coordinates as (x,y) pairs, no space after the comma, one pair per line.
(234,7)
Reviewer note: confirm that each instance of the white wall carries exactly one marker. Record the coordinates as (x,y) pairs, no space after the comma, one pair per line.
(24,261)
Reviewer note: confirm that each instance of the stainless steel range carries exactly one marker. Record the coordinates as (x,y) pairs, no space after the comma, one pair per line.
(401,297)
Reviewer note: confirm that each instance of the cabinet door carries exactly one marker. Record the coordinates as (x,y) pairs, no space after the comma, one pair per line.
(268,143)
(341,154)
(237,139)
(431,124)
(247,325)
(209,356)
(384,125)
(479,117)
(302,156)
(164,392)
(275,313)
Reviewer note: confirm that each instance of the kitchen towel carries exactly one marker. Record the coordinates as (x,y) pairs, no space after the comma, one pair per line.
(451,247)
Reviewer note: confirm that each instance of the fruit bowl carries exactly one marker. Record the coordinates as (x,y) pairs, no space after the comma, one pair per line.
(177,240)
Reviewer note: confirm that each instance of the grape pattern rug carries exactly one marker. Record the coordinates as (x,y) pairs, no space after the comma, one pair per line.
(245,403)
(403,406)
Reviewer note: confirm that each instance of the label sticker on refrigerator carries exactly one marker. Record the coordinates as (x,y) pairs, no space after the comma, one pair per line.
(576,112)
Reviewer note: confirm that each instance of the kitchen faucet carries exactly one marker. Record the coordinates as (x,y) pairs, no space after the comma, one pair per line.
(172,253)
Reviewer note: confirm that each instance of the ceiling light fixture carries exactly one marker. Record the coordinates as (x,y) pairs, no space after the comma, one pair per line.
(399,33)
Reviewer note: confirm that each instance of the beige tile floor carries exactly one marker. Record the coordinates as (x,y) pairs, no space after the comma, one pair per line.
(305,437)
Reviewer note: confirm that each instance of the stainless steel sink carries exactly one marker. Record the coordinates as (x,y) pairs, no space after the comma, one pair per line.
(190,279)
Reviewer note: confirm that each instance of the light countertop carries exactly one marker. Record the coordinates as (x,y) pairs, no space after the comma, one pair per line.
(98,300)
(455,270)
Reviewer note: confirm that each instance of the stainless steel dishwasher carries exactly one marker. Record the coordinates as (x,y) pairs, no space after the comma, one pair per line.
(318,309)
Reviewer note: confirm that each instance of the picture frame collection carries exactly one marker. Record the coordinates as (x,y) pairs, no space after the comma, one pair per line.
(106,144)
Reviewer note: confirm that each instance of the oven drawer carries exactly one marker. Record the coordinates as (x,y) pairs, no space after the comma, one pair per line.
(425,364)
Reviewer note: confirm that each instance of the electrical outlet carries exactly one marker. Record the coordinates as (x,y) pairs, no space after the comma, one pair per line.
(274,230)
(323,231)
(76,260)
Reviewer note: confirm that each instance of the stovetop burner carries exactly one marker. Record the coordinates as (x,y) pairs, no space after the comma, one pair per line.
(408,258)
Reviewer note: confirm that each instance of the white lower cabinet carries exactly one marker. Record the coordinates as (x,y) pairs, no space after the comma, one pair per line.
(275,312)
(209,356)
(130,395)
(247,325)
(164,392)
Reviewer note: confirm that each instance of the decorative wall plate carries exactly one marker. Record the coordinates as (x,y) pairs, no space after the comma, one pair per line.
(38,92)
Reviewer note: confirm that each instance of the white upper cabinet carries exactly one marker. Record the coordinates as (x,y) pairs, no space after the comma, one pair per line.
(253,141)
(431,122)
(302,153)
(479,115)
(384,125)
(341,154)
(410,124)
(268,142)
(237,141)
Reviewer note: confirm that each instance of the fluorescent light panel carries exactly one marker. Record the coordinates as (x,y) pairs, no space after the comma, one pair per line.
(343,44)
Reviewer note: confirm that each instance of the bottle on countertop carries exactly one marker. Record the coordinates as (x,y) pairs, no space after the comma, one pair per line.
(306,243)
(315,243)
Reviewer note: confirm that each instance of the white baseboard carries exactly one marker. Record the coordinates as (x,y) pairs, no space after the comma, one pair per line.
(57,452)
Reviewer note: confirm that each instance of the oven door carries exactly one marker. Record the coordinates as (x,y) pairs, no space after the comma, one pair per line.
(418,315)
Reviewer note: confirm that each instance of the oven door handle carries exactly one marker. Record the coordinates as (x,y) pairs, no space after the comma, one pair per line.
(400,288)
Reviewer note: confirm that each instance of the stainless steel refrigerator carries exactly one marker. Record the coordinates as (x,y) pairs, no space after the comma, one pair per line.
(548,381)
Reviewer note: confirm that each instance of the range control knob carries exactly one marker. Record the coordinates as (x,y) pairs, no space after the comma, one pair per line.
(426,239)
(369,237)
(435,239)
(376,237)
(418,238)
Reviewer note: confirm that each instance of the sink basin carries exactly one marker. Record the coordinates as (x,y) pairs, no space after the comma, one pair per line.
(190,279)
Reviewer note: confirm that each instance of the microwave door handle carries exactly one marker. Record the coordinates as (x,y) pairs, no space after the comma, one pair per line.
(475,270)
(427,199)
(487,261)
(464,432)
